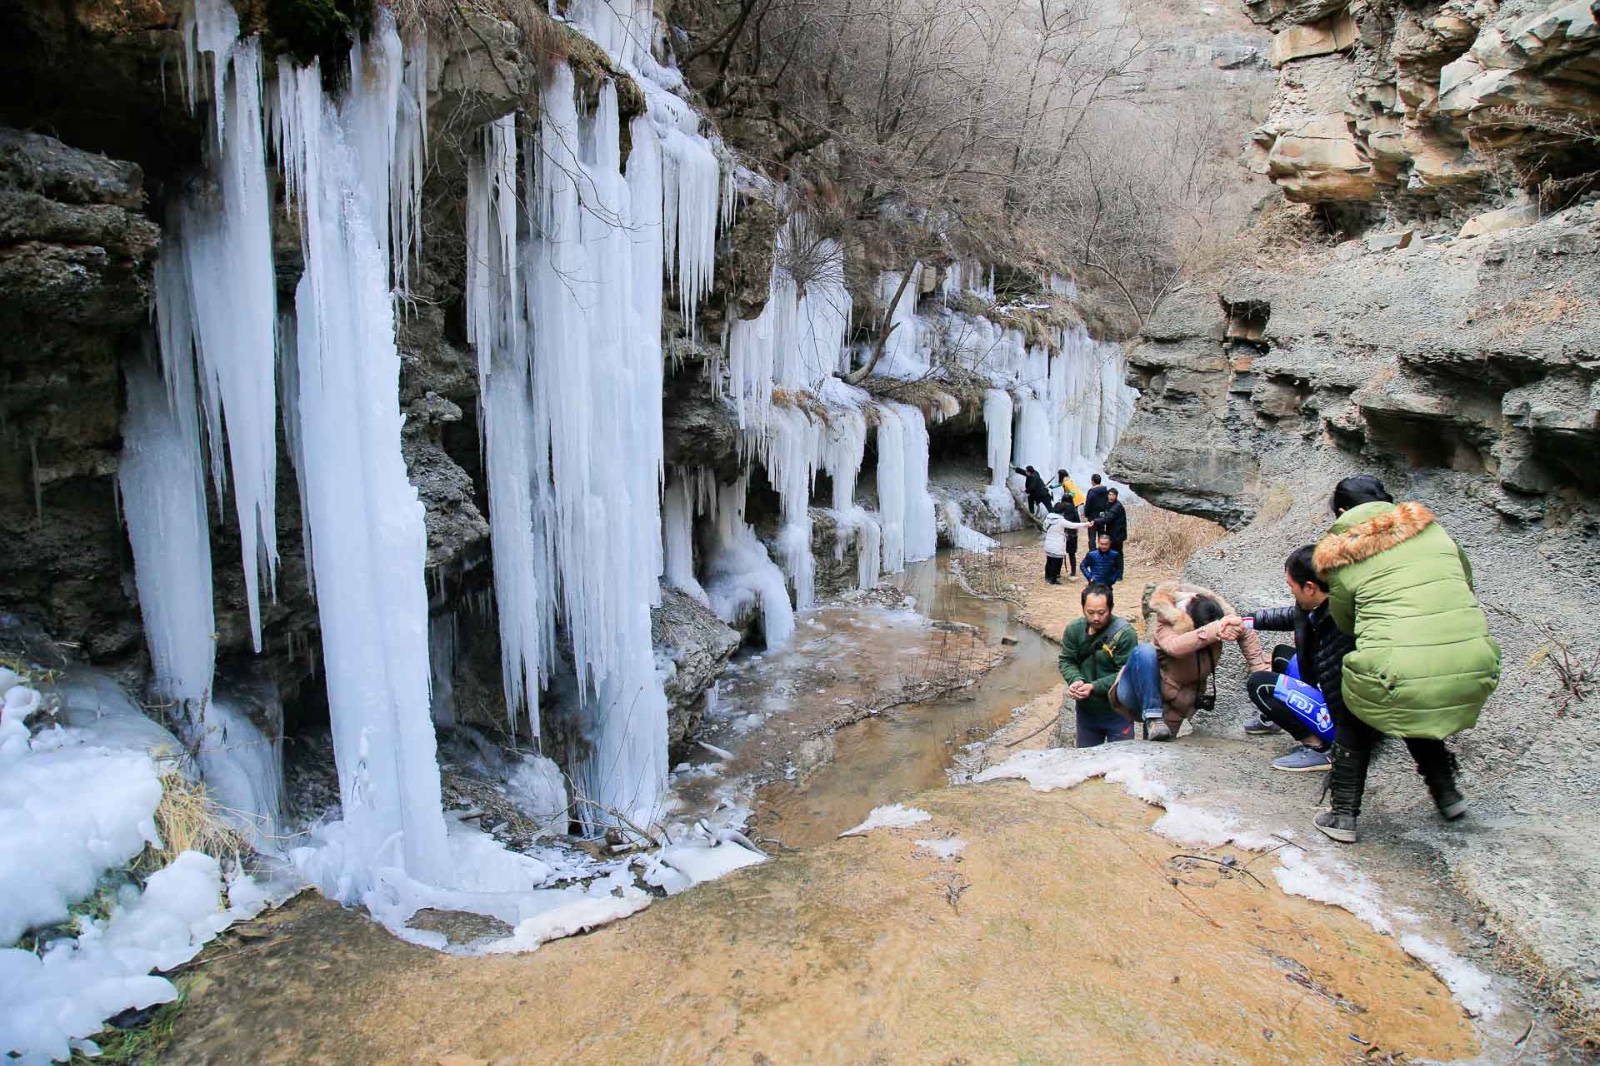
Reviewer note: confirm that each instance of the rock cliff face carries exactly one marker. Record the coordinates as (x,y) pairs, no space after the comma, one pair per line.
(1379,100)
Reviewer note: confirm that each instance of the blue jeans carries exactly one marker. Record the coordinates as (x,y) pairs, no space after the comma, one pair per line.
(1102,727)
(1140,684)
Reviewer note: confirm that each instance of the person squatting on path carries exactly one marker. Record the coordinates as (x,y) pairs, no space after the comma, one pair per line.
(1061,527)
(1103,564)
(1033,484)
(1424,663)
(1094,649)
(1319,650)
(1113,520)
(1165,681)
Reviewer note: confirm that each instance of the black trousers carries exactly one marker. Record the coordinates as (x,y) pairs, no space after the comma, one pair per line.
(1052,569)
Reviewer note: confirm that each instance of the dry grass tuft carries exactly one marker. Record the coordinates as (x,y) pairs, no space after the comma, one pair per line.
(188,819)
(1167,539)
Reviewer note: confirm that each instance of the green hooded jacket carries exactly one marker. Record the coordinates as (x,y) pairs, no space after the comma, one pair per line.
(1424,662)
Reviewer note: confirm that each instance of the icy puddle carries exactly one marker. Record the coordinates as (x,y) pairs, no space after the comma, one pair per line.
(841,720)
(1009,926)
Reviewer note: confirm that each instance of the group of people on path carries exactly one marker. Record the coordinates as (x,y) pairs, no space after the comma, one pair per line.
(1104,516)
(1388,640)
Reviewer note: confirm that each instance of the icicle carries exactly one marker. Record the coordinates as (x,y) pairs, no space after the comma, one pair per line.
(223,236)
(997,415)
(677,523)
(741,577)
(597,394)
(369,544)
(162,487)
(903,353)
(496,327)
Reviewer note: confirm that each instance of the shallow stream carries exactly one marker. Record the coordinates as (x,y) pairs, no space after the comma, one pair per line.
(784,715)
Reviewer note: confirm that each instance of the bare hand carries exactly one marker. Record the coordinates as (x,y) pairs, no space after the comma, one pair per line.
(1231,627)
(1080,690)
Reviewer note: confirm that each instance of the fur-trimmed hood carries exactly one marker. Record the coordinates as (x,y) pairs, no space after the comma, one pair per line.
(1170,603)
(1367,538)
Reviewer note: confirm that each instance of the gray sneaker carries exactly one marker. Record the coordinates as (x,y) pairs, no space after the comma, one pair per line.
(1304,759)
(1159,730)
(1340,827)
(1260,727)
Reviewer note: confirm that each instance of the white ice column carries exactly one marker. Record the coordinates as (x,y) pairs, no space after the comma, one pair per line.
(365,520)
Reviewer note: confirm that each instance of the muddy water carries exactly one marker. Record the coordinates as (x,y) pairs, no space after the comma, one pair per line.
(843,656)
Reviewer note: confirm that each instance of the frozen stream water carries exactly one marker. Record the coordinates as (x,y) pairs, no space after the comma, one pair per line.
(779,713)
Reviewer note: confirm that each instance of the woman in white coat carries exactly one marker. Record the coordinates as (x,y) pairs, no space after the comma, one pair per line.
(1061,540)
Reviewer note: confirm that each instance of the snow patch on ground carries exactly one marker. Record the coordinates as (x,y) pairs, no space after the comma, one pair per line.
(892,816)
(947,850)
(1316,875)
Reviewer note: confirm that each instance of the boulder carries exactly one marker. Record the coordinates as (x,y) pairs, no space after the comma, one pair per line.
(693,647)
(1514,217)
(1318,159)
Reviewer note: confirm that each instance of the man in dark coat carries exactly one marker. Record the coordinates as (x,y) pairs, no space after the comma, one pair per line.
(1112,520)
(1094,501)
(1038,494)
(1319,647)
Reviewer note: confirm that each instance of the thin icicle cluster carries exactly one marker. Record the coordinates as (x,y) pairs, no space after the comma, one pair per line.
(220,277)
(910,530)
(904,355)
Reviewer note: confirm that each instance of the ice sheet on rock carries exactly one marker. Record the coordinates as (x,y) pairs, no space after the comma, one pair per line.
(698,861)
(963,537)
(536,786)
(891,816)
(243,770)
(904,355)
(1472,988)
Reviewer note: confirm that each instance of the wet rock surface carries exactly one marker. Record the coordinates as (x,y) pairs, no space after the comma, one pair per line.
(697,645)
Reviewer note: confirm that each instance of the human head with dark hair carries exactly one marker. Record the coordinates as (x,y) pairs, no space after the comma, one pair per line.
(1095,479)
(1061,507)
(1203,610)
(1356,490)
(1061,476)
(1111,494)
(1097,603)
(1104,542)
(1305,584)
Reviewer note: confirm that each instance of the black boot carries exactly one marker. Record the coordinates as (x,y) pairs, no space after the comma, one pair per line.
(1347,782)
(1437,765)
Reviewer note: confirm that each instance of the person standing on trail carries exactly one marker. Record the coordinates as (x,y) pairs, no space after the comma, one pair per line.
(1033,485)
(1069,491)
(1094,649)
(1061,527)
(1424,663)
(1094,501)
(1308,705)
(1104,564)
(1113,520)
(1165,681)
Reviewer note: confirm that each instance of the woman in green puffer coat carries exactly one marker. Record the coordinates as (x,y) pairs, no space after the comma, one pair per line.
(1424,662)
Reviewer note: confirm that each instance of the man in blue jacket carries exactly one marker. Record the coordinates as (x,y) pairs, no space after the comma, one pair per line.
(1319,648)
(1104,564)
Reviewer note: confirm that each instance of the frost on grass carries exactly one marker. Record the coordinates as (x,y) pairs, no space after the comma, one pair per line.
(892,816)
(1319,875)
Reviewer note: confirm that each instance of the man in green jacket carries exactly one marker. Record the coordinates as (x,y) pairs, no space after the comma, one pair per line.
(1094,649)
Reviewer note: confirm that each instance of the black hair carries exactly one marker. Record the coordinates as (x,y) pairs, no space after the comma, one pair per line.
(1062,474)
(1095,479)
(1204,610)
(1357,490)
(1060,507)
(1302,568)
(1101,534)
(1095,588)
(1111,492)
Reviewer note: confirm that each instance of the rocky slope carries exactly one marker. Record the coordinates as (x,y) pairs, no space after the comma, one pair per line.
(1457,361)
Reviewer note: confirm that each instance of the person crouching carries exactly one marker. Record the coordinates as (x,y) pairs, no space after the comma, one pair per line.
(1103,565)
(1094,649)
(1319,648)
(1166,681)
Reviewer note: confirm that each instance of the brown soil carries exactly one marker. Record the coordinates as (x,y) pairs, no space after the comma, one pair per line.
(1017,574)
(1066,932)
